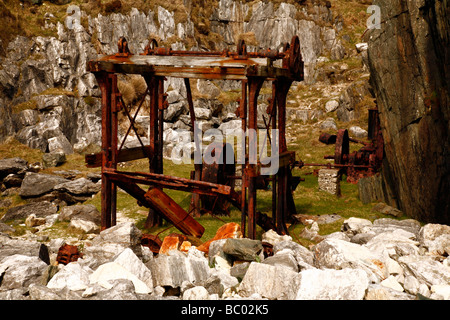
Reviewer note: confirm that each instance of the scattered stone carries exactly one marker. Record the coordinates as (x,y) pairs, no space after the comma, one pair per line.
(81,186)
(392,265)
(111,242)
(357,132)
(41,292)
(32,221)
(353,225)
(40,209)
(72,276)
(53,159)
(60,144)
(379,292)
(173,270)
(312,233)
(113,271)
(273,238)
(329,284)
(431,232)
(5,228)
(440,292)
(196,293)
(36,184)
(284,258)
(331,106)
(243,249)
(83,226)
(20,271)
(328,124)
(12,165)
(13,180)
(360,47)
(339,254)
(425,269)
(272,282)
(386,209)
(87,212)
(391,282)
(229,230)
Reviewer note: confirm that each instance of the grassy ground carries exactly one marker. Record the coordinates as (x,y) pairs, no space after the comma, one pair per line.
(308,199)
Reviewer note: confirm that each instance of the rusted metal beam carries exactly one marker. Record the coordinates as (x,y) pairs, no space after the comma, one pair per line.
(163,205)
(94,160)
(213,69)
(170,182)
(166,206)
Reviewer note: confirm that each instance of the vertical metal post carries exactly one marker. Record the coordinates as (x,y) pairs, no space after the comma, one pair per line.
(115,108)
(274,177)
(282,88)
(255,85)
(161,108)
(104,81)
(243,115)
(153,83)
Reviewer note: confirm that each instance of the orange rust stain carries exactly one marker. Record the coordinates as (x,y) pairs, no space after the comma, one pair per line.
(185,246)
(229,230)
(169,243)
(116,58)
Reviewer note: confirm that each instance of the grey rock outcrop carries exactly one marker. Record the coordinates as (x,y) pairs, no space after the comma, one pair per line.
(413,43)
(59,99)
(40,209)
(37,184)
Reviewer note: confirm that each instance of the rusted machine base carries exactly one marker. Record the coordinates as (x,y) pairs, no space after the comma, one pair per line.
(156,63)
(362,163)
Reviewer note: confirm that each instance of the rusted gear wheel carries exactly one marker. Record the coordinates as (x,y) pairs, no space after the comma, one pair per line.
(295,56)
(242,48)
(342,147)
(218,172)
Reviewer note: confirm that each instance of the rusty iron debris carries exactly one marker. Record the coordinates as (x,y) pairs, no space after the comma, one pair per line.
(68,253)
(364,162)
(211,186)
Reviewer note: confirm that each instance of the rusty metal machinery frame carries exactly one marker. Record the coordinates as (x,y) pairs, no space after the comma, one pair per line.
(365,162)
(156,63)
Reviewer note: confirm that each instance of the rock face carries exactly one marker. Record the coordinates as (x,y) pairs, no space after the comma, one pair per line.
(49,100)
(410,74)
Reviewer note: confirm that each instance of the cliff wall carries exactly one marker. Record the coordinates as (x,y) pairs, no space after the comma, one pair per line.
(409,61)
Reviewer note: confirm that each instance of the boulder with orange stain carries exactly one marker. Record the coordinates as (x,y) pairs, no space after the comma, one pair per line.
(229,230)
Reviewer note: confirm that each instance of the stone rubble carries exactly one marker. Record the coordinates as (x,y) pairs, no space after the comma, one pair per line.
(398,260)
